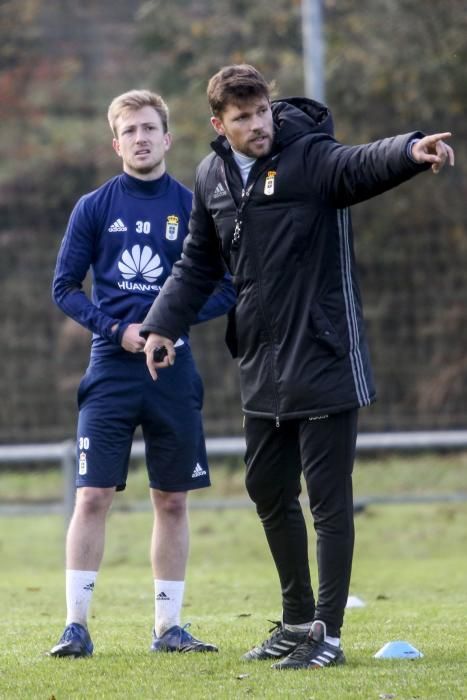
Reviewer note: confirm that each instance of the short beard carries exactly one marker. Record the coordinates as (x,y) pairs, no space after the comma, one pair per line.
(252,154)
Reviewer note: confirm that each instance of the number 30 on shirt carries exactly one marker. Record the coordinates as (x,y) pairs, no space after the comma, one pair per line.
(143,227)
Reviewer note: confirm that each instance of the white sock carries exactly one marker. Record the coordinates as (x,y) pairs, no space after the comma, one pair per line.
(168,604)
(303,627)
(335,641)
(79,590)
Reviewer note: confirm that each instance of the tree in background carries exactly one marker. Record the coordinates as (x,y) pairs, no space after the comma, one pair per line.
(186,44)
(52,151)
(395,66)
(391,66)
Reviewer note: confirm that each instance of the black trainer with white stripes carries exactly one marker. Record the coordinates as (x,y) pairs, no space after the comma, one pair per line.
(314,652)
(279,644)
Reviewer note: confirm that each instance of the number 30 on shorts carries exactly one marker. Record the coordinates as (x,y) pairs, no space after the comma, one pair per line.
(83,443)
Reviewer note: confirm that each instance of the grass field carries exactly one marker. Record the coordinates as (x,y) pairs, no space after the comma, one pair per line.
(410,569)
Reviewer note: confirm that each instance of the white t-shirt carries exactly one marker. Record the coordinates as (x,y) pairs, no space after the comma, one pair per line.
(245,164)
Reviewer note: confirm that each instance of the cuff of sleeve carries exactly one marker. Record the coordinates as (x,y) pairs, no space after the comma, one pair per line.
(146,330)
(121,328)
(409,149)
(115,336)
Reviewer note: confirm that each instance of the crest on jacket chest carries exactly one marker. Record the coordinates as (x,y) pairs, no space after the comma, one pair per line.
(269,182)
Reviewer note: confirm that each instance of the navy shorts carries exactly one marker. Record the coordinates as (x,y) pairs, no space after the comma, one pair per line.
(115,396)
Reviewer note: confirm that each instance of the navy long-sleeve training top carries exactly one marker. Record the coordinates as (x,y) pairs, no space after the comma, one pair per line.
(128,232)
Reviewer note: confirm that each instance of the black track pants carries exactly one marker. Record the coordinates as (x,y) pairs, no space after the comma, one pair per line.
(324,450)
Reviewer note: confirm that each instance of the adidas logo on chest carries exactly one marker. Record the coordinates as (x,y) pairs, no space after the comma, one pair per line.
(220,191)
(117,226)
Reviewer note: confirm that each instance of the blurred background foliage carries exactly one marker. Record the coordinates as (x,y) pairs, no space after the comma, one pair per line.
(392,66)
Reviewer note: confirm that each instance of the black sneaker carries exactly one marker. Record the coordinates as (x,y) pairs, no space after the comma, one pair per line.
(279,644)
(178,639)
(75,641)
(314,652)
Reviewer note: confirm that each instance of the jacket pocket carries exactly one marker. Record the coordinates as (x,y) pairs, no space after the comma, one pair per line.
(324,332)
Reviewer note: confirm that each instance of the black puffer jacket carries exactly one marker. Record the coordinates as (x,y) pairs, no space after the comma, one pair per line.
(287,239)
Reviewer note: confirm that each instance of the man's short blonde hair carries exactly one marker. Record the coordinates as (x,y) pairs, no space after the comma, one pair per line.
(133,100)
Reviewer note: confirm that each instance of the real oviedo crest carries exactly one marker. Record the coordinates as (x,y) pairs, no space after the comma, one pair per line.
(171,228)
(83,466)
(269,182)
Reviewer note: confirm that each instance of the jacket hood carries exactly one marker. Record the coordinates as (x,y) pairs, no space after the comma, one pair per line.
(295,117)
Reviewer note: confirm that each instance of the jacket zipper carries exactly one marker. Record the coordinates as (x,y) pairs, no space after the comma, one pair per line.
(234,246)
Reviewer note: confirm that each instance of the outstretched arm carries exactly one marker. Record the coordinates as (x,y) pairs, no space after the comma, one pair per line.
(432,149)
(347,175)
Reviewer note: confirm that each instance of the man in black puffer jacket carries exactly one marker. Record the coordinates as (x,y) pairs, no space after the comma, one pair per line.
(271,205)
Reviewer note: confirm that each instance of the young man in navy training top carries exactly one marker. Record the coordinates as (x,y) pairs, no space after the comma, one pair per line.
(129,232)
(272,203)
